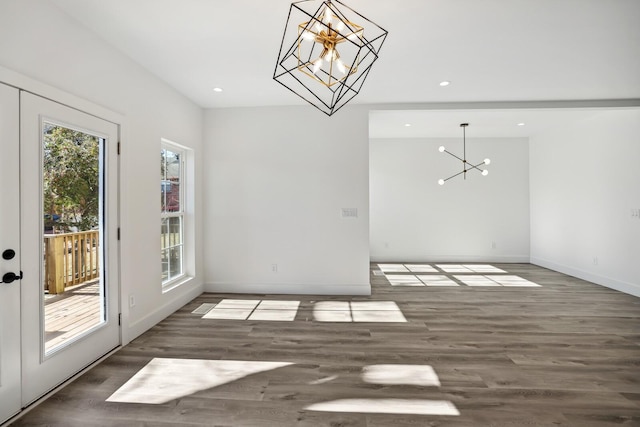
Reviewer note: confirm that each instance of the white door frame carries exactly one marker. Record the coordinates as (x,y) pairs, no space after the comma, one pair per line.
(10,381)
(18,82)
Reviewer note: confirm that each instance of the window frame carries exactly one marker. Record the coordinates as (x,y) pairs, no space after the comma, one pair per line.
(181,213)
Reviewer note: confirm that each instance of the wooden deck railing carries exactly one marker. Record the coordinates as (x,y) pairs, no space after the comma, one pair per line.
(70,259)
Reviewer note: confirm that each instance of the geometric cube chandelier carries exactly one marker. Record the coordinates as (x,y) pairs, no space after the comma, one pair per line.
(327,52)
(466,166)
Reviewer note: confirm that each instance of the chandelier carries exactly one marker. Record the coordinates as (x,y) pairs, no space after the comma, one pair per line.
(466,166)
(326,53)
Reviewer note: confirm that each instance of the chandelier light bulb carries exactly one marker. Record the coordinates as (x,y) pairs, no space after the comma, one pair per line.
(328,15)
(485,172)
(341,66)
(340,26)
(329,56)
(441,181)
(308,35)
(487,161)
(317,65)
(441,149)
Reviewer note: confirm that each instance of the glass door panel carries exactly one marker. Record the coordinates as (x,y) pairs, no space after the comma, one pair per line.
(69,223)
(72,190)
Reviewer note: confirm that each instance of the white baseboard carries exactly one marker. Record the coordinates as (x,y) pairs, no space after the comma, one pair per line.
(507,259)
(288,289)
(618,285)
(150,320)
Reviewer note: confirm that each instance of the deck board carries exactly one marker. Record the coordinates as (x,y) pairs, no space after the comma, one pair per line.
(70,314)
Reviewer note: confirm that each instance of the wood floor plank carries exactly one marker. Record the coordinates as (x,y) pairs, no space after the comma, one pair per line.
(566,353)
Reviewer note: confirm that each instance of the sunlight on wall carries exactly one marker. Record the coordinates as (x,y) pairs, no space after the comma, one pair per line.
(163,380)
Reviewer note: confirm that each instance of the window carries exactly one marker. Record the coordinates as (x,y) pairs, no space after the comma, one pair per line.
(172,212)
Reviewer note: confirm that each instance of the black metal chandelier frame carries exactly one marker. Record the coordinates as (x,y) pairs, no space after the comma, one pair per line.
(466,166)
(309,62)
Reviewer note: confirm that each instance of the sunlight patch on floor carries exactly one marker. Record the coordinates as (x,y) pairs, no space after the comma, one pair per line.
(163,380)
(436,280)
(358,311)
(393,268)
(476,280)
(239,309)
(467,274)
(483,268)
(513,281)
(403,280)
(418,375)
(453,268)
(421,268)
(387,406)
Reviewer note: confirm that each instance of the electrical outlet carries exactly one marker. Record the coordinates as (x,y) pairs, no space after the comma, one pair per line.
(274,268)
(493,245)
(595,260)
(132,301)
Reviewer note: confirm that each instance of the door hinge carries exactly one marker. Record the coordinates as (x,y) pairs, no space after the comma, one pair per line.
(118,233)
(119,318)
(118,148)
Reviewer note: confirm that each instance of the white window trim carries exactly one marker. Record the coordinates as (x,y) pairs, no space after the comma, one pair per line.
(186,206)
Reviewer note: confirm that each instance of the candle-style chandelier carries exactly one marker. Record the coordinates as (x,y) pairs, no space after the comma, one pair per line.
(466,166)
(327,53)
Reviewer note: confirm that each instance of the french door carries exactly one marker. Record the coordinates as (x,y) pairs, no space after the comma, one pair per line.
(10,401)
(62,226)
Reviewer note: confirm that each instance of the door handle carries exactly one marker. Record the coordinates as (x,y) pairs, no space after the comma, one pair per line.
(11,277)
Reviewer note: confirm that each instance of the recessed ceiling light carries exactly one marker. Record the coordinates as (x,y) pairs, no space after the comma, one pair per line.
(217,89)
(407,124)
(445,83)
(520,124)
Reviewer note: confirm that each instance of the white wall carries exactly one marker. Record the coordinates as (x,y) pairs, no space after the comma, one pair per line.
(43,44)
(275,182)
(415,219)
(585,181)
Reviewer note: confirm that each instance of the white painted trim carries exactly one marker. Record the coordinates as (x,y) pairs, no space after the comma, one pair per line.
(150,320)
(608,282)
(43,90)
(506,105)
(287,289)
(508,259)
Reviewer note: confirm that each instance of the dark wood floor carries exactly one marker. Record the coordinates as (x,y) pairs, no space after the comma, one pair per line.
(566,353)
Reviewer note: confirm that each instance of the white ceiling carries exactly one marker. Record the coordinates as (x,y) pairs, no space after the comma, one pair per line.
(491,50)
(482,123)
